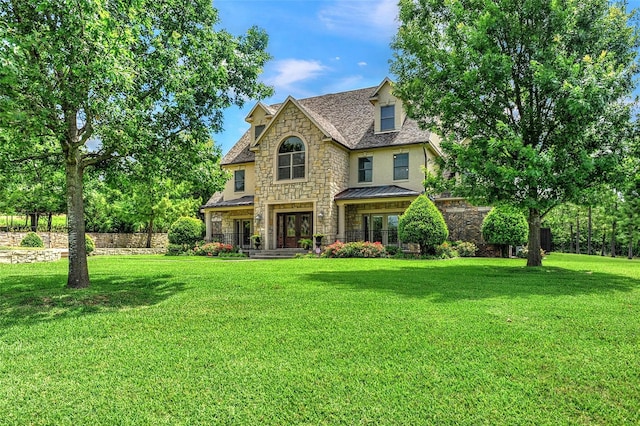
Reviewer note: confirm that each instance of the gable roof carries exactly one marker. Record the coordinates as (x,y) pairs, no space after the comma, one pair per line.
(346,117)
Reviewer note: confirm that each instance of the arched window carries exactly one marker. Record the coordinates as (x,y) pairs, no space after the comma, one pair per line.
(291,159)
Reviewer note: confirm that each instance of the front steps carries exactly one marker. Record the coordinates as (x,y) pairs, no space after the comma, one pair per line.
(283,253)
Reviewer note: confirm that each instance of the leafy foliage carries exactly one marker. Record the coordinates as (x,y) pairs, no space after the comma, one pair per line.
(423,224)
(102,84)
(505,225)
(31,239)
(357,249)
(90,244)
(528,95)
(213,249)
(465,248)
(187,231)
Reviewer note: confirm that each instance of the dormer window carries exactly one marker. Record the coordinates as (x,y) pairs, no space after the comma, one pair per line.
(387,118)
(258,131)
(291,159)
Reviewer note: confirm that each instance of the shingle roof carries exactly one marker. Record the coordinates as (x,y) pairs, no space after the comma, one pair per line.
(376,192)
(347,117)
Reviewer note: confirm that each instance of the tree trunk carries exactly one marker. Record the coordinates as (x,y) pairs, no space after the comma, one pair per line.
(604,242)
(34,221)
(571,238)
(49,221)
(578,235)
(630,252)
(534,258)
(78,269)
(150,231)
(613,239)
(589,232)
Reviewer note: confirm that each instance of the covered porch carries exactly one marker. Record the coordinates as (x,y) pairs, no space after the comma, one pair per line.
(372,214)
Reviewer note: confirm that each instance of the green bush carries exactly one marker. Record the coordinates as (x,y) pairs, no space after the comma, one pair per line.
(89,244)
(504,226)
(213,249)
(31,240)
(356,249)
(186,230)
(179,250)
(465,249)
(423,224)
(446,251)
(393,250)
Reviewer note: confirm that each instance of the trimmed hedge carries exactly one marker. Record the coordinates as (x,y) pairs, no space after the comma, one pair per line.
(423,224)
(31,240)
(505,225)
(186,231)
(356,249)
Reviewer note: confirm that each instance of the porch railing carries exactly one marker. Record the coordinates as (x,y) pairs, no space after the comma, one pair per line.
(242,241)
(386,237)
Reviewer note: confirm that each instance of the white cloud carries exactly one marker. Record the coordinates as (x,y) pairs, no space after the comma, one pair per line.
(364,19)
(362,64)
(290,72)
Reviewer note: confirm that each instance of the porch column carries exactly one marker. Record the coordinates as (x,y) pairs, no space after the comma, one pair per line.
(207,223)
(341,222)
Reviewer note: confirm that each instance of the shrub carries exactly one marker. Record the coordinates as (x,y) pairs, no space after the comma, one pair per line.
(446,251)
(393,250)
(505,225)
(212,249)
(356,249)
(186,230)
(465,248)
(179,250)
(89,243)
(31,240)
(524,253)
(423,224)
(306,243)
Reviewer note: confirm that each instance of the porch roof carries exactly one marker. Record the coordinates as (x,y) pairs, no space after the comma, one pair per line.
(386,191)
(247,200)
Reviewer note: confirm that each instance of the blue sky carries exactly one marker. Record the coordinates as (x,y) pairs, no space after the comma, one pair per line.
(317,47)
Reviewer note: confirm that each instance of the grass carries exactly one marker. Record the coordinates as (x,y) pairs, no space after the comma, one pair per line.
(161,340)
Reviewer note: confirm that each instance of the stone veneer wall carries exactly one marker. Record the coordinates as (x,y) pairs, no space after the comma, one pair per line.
(463,219)
(61,240)
(327,171)
(29,256)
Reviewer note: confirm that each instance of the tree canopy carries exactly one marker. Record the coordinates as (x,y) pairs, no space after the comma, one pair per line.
(114,81)
(529,95)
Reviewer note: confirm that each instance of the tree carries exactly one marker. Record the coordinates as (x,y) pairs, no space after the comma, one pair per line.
(505,225)
(527,94)
(108,81)
(423,224)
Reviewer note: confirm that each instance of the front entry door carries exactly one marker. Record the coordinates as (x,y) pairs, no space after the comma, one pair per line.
(292,227)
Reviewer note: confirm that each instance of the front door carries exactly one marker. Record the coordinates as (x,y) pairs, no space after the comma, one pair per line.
(292,227)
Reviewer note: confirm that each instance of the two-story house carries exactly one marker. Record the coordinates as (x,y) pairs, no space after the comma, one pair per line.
(345,165)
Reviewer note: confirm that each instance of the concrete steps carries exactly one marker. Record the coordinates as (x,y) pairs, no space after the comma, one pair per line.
(285,253)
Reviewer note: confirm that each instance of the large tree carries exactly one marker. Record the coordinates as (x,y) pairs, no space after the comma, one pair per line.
(110,80)
(528,94)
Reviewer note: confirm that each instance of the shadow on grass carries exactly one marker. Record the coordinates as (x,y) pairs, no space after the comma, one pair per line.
(471,282)
(37,298)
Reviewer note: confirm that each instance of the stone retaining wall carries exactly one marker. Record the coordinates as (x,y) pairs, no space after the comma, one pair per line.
(102,240)
(127,251)
(29,256)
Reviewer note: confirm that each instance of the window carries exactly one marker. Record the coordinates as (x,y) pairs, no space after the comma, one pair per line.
(400,166)
(258,131)
(381,228)
(365,169)
(291,159)
(387,117)
(238,181)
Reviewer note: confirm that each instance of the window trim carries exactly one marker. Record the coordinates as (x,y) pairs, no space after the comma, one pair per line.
(387,119)
(236,180)
(397,168)
(363,170)
(257,131)
(291,164)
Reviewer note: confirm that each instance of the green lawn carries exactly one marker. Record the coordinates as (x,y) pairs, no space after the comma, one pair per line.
(166,340)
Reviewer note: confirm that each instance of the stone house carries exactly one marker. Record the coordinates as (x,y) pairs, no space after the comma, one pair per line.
(345,165)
